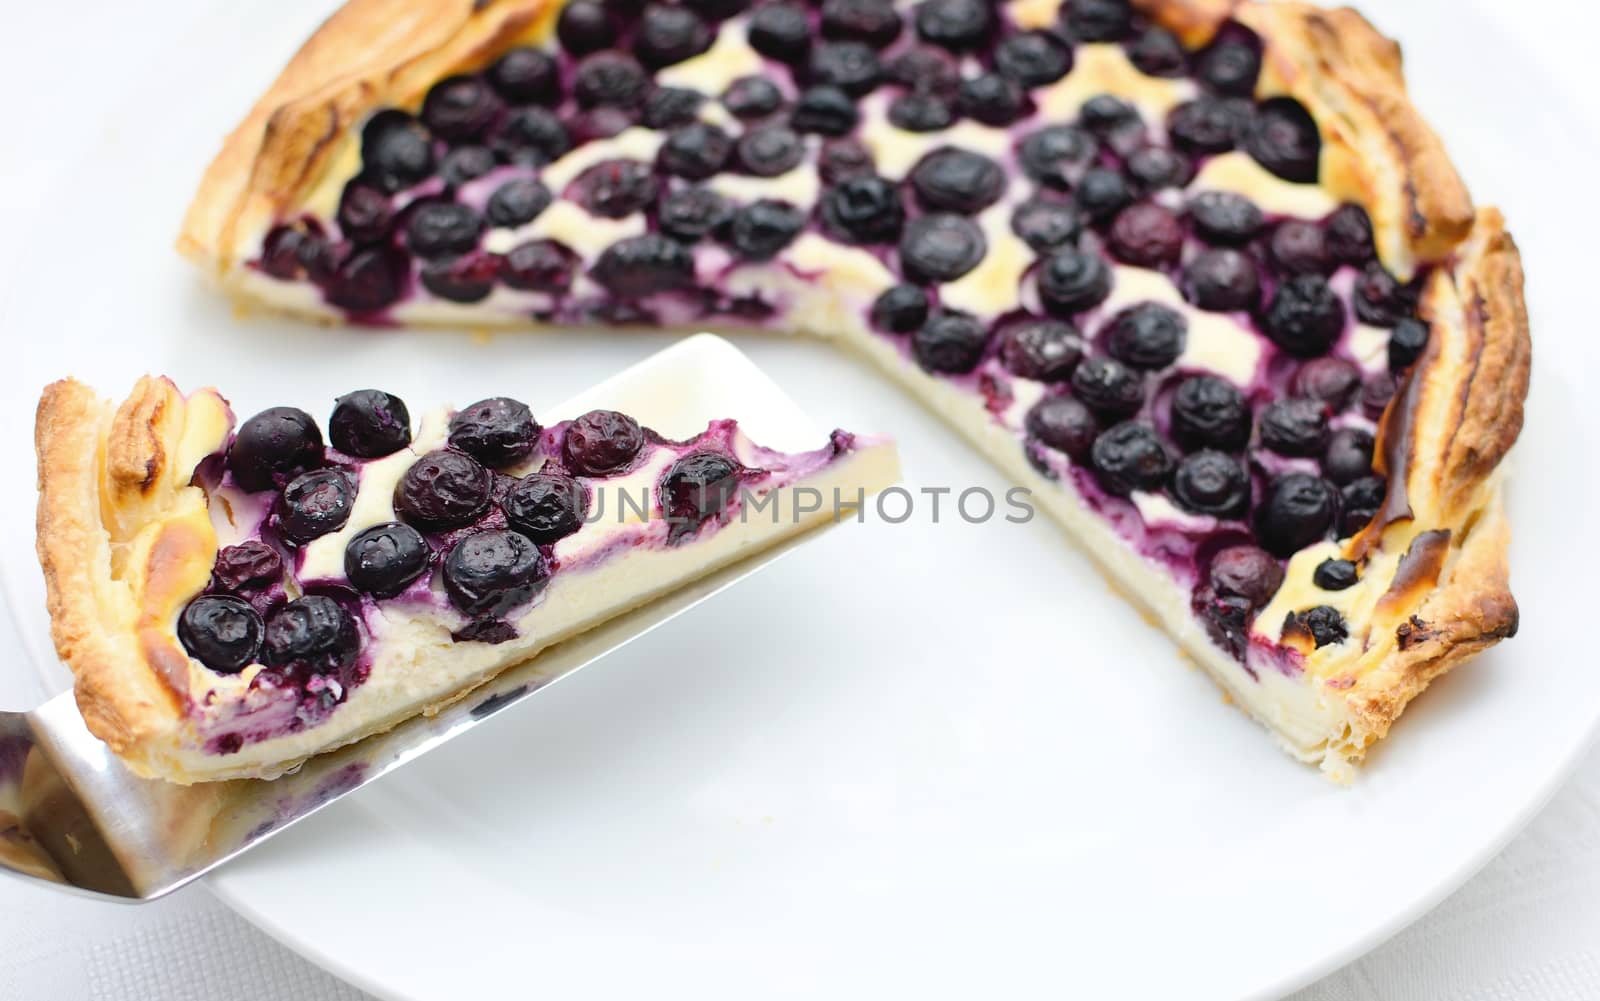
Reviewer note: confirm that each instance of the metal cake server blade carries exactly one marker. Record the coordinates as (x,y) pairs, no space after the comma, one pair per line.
(71,815)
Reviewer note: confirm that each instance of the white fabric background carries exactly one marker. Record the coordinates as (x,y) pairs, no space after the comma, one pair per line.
(1527,927)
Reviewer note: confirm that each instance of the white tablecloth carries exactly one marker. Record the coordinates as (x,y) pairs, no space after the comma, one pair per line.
(1527,927)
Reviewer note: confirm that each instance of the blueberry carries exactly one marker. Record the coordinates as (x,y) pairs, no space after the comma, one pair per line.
(863,210)
(851,66)
(950,342)
(526,75)
(1214,483)
(940,247)
(643,265)
(1072,280)
(443,489)
(1380,299)
(1222,279)
(764,227)
(365,213)
(667,35)
(780,31)
(875,22)
(1305,316)
(545,506)
(915,112)
(752,97)
(1098,20)
(1152,168)
(825,110)
(1348,456)
(924,69)
(539,266)
(1406,343)
(1032,58)
(465,163)
(441,229)
(1334,381)
(1295,511)
(314,504)
(1231,63)
(1158,52)
(601,442)
(1283,138)
(1297,247)
(468,278)
(1107,114)
(718,9)
(498,432)
(396,151)
(695,151)
(992,99)
(532,136)
(1058,155)
(696,488)
(385,559)
(609,78)
(584,27)
(1226,619)
(1148,336)
(1323,622)
(517,202)
(1376,392)
(1208,412)
(221,631)
(1129,457)
(957,180)
(460,108)
(1108,387)
(492,573)
(273,447)
(1041,349)
(669,106)
(954,24)
(1335,575)
(368,281)
(1348,232)
(250,565)
(1247,572)
(615,189)
(1045,226)
(1359,502)
(900,309)
(770,150)
(1225,217)
(842,159)
(314,631)
(296,251)
(1102,194)
(1063,423)
(1205,125)
(691,214)
(1295,427)
(1147,235)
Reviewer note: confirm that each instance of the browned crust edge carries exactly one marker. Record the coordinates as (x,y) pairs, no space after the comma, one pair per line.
(369,53)
(123,541)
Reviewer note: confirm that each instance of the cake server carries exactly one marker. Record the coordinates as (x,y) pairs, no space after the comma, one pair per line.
(72,816)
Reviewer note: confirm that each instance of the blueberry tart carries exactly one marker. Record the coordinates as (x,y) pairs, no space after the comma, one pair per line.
(1194,271)
(234,599)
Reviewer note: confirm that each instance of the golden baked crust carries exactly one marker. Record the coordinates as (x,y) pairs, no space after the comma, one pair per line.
(1442,532)
(124,541)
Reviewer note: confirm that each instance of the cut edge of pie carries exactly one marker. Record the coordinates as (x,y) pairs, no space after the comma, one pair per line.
(1443,535)
(128,536)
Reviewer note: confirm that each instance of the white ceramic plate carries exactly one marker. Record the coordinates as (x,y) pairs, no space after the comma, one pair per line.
(940,758)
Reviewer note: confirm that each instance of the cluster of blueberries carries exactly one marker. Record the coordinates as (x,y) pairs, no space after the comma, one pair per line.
(488,532)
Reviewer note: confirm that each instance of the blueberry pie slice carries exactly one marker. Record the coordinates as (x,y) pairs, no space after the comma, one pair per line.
(233,601)
(1196,271)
